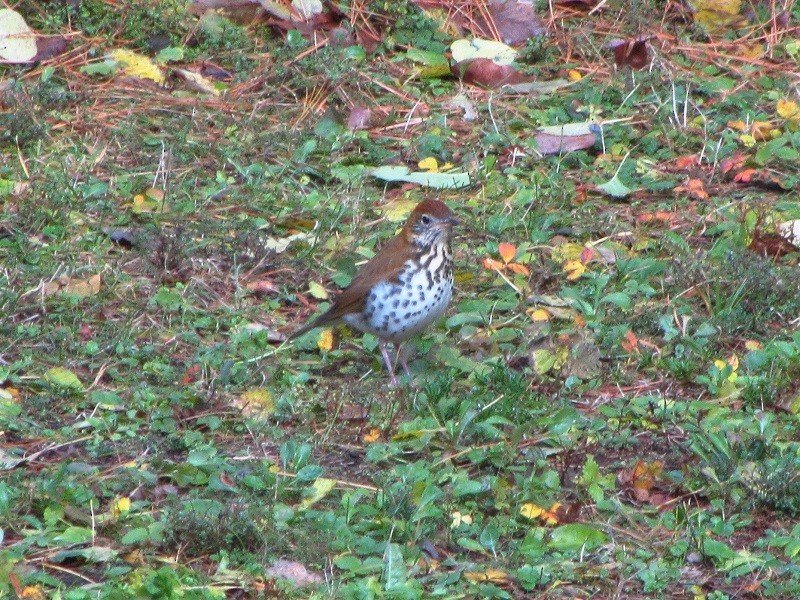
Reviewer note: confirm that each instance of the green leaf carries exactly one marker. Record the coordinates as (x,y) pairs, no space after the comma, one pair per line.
(63,378)
(427,58)
(106,68)
(171,54)
(319,489)
(135,536)
(74,535)
(433,180)
(576,537)
(395,573)
(615,188)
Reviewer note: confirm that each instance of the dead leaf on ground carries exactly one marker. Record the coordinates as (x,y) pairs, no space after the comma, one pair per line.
(547,143)
(295,572)
(73,286)
(516,20)
(631,53)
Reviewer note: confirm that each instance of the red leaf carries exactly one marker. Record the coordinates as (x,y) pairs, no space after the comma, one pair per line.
(630,53)
(486,72)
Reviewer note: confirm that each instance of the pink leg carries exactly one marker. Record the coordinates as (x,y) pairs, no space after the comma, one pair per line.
(402,360)
(388,362)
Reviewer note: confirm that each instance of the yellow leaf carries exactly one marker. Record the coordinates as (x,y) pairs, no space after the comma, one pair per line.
(257,401)
(733,361)
(429,164)
(534,511)
(574,269)
(398,210)
(317,291)
(738,125)
(373,436)
(33,592)
(748,141)
(574,75)
(122,506)
(138,65)
(753,345)
(751,51)
(459,518)
(787,109)
(568,251)
(493,575)
(319,489)
(539,314)
(720,364)
(325,341)
(507,251)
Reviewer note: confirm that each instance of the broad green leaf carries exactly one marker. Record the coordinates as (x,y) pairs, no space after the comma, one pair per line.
(575,537)
(615,188)
(395,573)
(427,58)
(74,535)
(433,180)
(63,378)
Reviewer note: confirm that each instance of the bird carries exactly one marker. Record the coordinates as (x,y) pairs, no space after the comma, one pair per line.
(404,288)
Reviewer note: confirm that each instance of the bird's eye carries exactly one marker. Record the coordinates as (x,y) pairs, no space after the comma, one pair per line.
(425,220)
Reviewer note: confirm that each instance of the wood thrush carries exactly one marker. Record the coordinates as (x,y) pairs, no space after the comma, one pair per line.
(404,288)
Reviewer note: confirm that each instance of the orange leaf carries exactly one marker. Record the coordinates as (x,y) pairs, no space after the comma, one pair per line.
(518,269)
(373,436)
(507,251)
(534,511)
(745,176)
(631,343)
(490,263)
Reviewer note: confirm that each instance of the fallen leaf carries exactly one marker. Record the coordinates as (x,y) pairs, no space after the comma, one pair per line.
(433,180)
(574,269)
(137,65)
(534,511)
(81,288)
(359,118)
(63,378)
(516,20)
(17,40)
(294,572)
(487,73)
(490,575)
(325,341)
(630,344)
(469,50)
(547,143)
(630,53)
(373,436)
(507,251)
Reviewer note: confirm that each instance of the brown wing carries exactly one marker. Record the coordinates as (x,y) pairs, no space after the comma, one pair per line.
(384,266)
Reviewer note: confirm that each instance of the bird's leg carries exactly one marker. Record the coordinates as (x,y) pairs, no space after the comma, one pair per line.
(403,363)
(388,361)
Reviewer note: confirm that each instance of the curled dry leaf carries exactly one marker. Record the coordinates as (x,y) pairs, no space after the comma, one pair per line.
(631,53)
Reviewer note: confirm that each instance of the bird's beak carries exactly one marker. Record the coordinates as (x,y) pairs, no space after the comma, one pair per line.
(448,223)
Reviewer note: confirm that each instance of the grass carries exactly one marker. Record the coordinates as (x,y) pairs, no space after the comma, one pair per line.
(628,431)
